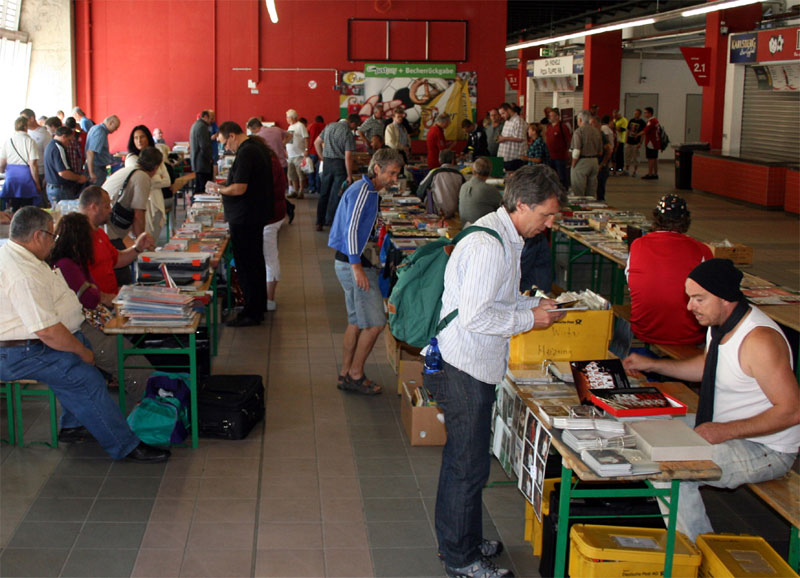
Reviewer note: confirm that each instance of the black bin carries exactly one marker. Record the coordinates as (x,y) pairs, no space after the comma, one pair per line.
(683,163)
(167,362)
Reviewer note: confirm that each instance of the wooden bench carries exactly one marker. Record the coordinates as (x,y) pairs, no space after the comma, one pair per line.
(783,496)
(678,351)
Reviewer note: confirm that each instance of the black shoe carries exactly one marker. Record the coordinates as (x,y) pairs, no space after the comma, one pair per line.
(74,435)
(481,568)
(243,321)
(290,211)
(319,227)
(146,454)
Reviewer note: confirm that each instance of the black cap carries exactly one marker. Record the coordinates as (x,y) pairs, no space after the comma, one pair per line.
(719,277)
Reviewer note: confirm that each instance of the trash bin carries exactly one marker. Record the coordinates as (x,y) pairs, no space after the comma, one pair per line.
(683,162)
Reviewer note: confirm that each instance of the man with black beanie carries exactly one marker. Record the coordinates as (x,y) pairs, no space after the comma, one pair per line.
(749,399)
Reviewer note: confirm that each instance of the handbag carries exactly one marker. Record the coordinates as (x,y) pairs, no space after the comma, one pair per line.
(122,217)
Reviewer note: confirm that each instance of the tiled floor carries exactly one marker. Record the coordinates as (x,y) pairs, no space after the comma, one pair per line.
(328,485)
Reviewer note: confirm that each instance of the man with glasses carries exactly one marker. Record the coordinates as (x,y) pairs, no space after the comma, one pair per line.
(40,338)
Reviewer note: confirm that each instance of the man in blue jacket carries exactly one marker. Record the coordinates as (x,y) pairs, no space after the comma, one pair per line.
(350,232)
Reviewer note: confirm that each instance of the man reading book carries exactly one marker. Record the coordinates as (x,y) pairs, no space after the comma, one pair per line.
(749,399)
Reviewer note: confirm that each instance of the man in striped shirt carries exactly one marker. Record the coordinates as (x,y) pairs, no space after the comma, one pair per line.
(482,282)
(512,140)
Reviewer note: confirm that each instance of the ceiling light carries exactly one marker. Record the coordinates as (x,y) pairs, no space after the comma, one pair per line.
(714,6)
(581,34)
(273,12)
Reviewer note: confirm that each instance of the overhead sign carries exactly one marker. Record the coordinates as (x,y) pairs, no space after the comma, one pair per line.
(425,70)
(512,76)
(546,52)
(699,60)
(550,67)
(777,45)
(743,47)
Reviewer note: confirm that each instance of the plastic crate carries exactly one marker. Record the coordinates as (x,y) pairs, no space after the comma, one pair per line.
(613,551)
(739,556)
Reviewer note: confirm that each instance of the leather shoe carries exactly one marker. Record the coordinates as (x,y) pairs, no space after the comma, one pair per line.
(147,454)
(243,321)
(319,227)
(74,435)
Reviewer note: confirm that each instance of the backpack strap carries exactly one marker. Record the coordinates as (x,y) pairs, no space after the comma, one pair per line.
(471,229)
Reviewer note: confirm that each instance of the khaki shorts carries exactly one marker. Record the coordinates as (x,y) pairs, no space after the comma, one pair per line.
(294,172)
(631,155)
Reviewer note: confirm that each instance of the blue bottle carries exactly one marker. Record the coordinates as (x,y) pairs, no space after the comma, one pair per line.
(433,358)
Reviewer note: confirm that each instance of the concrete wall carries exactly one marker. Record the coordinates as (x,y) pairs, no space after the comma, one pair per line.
(672,81)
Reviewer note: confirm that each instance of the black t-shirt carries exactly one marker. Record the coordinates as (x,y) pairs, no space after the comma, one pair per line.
(253,167)
(634,126)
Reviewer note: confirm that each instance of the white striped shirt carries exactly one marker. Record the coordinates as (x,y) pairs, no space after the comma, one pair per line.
(482,282)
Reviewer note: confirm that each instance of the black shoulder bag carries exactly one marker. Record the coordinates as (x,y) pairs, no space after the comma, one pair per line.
(122,217)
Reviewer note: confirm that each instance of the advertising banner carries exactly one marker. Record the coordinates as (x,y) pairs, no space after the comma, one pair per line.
(780,44)
(389,70)
(743,47)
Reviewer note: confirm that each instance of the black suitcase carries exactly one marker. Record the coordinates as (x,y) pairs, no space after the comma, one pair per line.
(228,406)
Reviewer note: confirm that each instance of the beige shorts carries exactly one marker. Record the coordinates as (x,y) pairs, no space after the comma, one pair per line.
(294,171)
(631,155)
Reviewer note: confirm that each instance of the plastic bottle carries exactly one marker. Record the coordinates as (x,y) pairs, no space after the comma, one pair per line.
(433,358)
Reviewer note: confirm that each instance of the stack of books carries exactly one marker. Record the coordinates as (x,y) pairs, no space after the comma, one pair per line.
(591,439)
(154,306)
(619,462)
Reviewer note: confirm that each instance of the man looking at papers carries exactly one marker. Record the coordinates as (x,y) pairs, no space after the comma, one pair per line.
(749,400)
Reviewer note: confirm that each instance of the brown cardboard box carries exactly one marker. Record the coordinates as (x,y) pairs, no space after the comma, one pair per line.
(397,350)
(409,370)
(741,255)
(422,426)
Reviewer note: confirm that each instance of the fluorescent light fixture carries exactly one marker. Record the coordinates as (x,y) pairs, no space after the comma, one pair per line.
(582,33)
(714,6)
(273,12)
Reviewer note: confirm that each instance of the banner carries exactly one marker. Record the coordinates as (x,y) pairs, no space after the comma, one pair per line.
(388,70)
(781,44)
(743,47)
(699,60)
(547,67)
(512,76)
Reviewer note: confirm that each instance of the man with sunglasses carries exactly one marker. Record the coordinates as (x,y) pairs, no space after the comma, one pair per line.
(40,338)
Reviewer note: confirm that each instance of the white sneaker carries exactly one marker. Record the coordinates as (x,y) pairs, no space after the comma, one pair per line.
(271,305)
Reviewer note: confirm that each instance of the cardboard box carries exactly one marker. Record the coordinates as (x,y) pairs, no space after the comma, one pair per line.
(397,350)
(409,370)
(578,336)
(421,424)
(741,255)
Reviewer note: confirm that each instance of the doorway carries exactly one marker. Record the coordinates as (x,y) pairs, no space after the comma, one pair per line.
(694,116)
(634,100)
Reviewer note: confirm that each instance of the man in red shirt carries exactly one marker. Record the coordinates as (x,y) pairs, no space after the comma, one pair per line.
(95,203)
(657,269)
(558,137)
(436,141)
(652,143)
(314,130)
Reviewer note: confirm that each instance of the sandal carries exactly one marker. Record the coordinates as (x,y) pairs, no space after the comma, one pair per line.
(363,385)
(340,382)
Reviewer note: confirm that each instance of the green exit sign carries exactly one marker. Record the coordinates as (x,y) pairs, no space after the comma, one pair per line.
(547,52)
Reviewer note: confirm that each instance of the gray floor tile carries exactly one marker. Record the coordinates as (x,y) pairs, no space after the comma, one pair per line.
(406,562)
(382,448)
(504,501)
(417,534)
(526,565)
(426,466)
(36,563)
(384,467)
(59,510)
(100,563)
(394,509)
(389,487)
(45,535)
(126,487)
(375,431)
(135,470)
(71,487)
(110,535)
(82,467)
(119,510)
(428,485)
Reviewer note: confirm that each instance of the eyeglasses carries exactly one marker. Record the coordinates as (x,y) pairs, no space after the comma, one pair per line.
(46,232)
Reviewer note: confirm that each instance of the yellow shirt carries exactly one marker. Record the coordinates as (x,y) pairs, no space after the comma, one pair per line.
(33,296)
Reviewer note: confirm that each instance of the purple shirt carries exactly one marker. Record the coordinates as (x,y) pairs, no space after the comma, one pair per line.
(76,279)
(273,135)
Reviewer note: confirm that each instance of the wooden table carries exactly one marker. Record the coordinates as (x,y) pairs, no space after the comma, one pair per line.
(116,326)
(673,472)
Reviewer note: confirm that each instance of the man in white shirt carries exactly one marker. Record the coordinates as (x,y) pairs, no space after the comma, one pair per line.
(40,338)
(39,135)
(482,282)
(296,151)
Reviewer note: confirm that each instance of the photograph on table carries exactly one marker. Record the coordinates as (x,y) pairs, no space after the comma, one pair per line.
(525,485)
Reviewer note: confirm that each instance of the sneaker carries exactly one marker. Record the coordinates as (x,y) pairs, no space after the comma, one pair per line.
(481,568)
(488,548)
(647,177)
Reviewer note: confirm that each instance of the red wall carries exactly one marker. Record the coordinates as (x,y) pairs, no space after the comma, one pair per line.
(159,63)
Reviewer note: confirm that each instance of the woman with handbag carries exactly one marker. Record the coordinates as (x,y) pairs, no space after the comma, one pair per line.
(156,212)
(19,160)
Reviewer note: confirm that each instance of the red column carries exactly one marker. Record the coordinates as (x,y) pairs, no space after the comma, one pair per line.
(522,75)
(602,71)
(737,20)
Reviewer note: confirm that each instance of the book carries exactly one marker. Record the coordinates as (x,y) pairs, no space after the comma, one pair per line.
(580,440)
(607,462)
(670,440)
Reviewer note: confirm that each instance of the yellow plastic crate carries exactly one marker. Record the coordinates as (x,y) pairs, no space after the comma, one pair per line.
(738,556)
(578,336)
(533,527)
(613,551)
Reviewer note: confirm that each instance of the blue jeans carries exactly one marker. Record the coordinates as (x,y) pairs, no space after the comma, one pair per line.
(742,462)
(334,173)
(560,166)
(467,406)
(79,387)
(313,178)
(57,193)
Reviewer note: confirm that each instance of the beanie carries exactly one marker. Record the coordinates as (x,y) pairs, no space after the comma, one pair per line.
(719,277)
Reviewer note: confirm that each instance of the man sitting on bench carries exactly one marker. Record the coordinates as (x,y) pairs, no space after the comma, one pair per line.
(749,399)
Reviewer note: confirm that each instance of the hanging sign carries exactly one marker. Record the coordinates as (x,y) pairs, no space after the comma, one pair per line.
(512,76)
(699,60)
(743,47)
(424,70)
(560,66)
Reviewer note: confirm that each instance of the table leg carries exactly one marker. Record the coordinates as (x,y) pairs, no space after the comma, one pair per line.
(672,520)
(121,372)
(562,537)
(214,321)
(794,549)
(193,385)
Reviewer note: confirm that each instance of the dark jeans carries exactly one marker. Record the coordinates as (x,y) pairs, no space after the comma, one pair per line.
(200,180)
(602,178)
(467,405)
(562,168)
(514,164)
(619,156)
(313,178)
(248,252)
(334,173)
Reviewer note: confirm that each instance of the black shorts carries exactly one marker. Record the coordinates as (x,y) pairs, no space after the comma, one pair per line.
(651,153)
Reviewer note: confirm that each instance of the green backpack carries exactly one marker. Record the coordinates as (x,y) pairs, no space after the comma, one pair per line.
(154,418)
(416,299)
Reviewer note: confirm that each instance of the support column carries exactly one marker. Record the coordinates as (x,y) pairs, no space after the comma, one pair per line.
(602,71)
(522,79)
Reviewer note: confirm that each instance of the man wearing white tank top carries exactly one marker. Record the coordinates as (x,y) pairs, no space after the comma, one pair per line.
(749,398)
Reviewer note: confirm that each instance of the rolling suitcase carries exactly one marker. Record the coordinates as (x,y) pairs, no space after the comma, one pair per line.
(228,406)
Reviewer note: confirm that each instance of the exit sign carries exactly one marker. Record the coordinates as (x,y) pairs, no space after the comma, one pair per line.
(546,52)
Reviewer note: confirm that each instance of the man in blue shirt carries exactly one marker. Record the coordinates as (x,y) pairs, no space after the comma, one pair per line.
(83,121)
(97,155)
(62,179)
(351,229)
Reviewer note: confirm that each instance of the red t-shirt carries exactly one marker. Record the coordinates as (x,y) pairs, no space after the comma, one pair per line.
(558,137)
(651,139)
(314,130)
(436,143)
(104,259)
(657,269)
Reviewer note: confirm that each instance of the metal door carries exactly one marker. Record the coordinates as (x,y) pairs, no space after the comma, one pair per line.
(694,116)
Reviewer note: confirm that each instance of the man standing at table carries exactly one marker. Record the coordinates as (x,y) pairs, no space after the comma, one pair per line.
(481,281)
(749,400)
(436,141)
(247,199)
(335,146)
(201,154)
(558,137)
(587,147)
(513,142)
(98,156)
(40,338)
